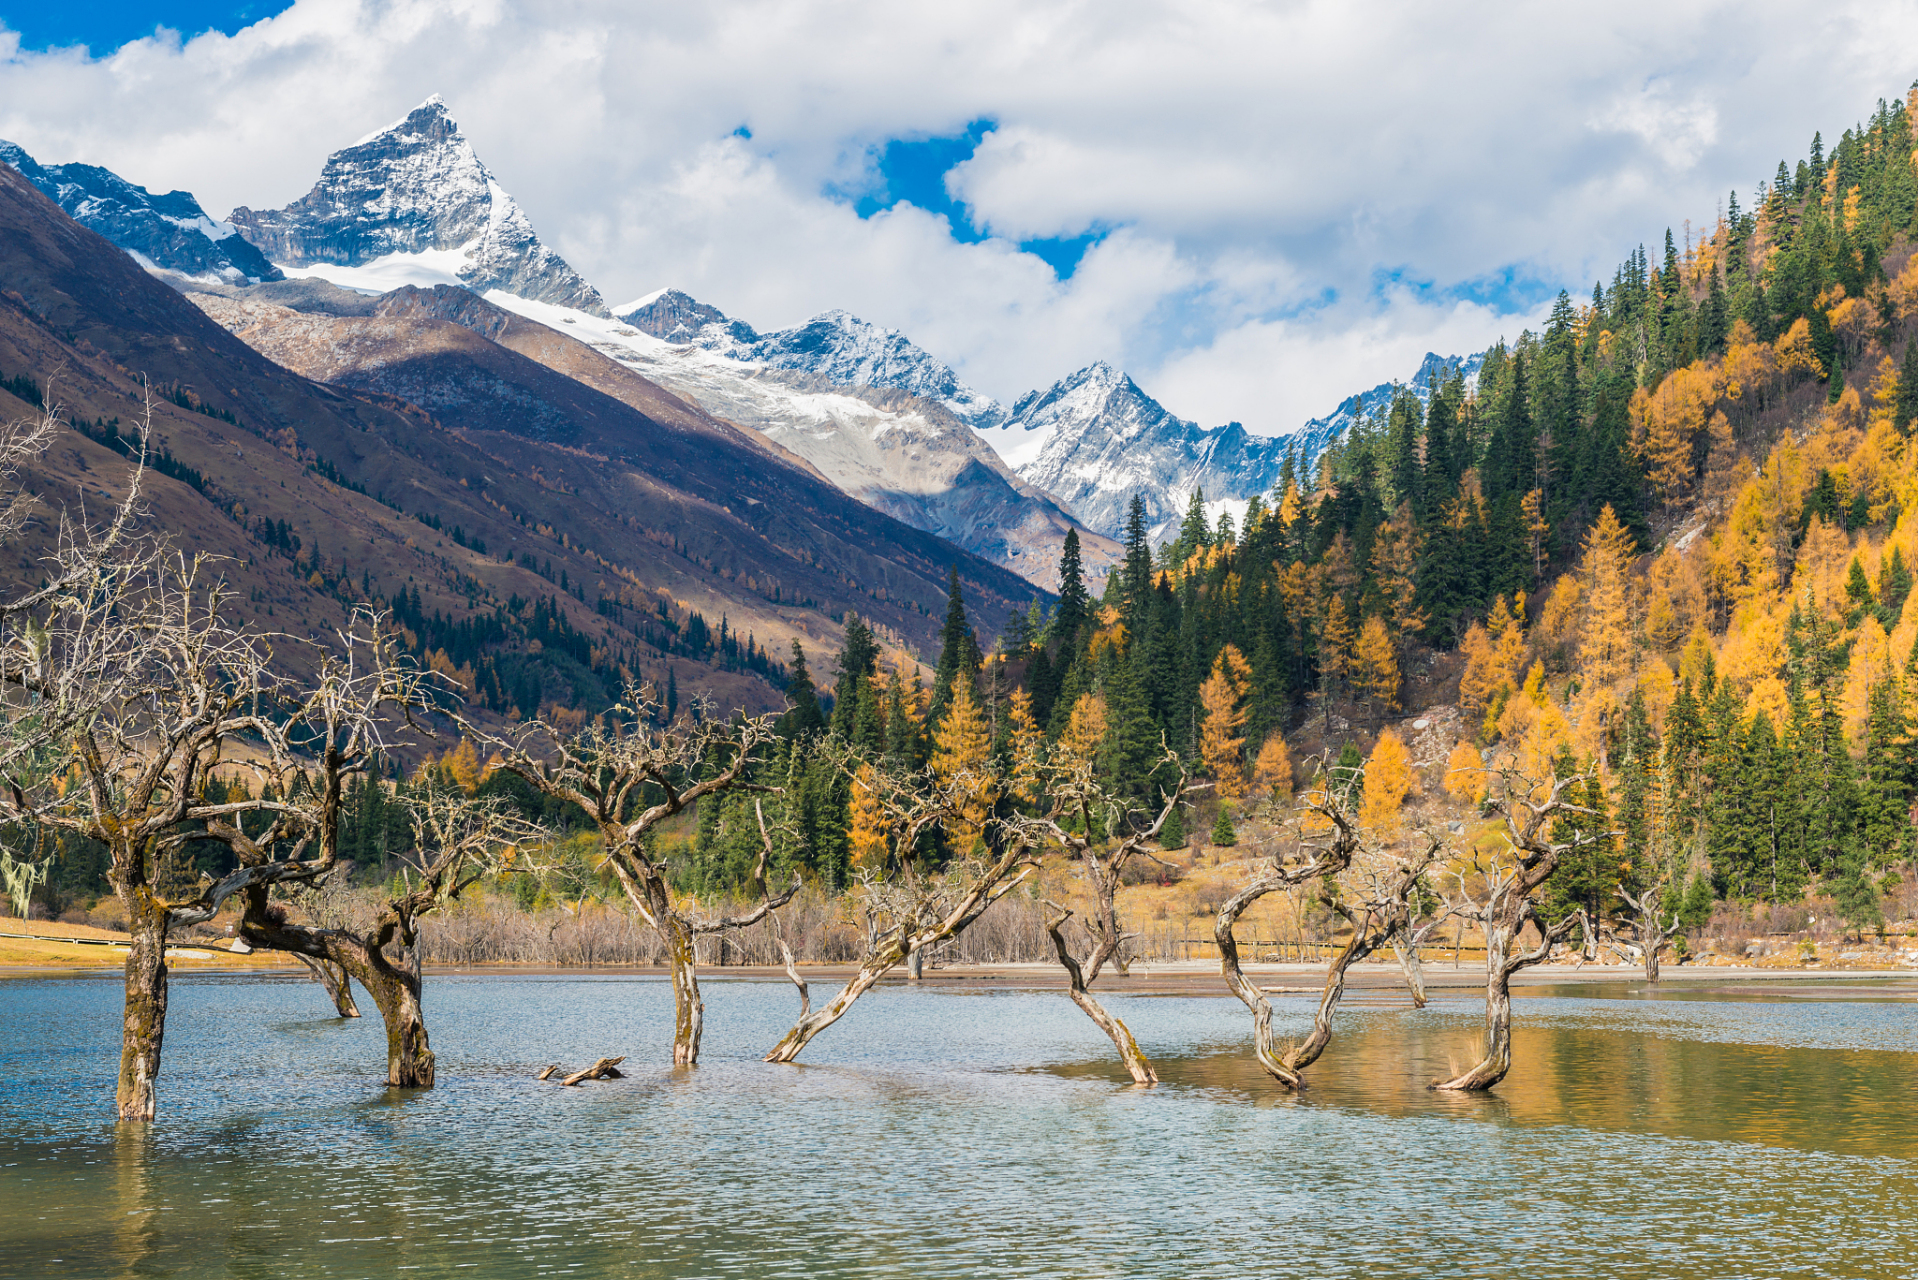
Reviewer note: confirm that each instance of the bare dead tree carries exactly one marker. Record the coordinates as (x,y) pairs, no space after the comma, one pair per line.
(1308,858)
(1102,834)
(906,906)
(1507,901)
(186,688)
(364,689)
(1651,926)
(457,840)
(629,777)
(1378,897)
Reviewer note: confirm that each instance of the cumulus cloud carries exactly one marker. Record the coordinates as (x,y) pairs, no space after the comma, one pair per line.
(1259,168)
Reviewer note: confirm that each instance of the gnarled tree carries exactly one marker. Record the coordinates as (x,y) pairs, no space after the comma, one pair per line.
(1505,901)
(908,905)
(1102,834)
(188,688)
(1649,923)
(457,839)
(629,777)
(1294,861)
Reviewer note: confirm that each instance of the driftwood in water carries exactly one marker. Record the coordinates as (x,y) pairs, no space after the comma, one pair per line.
(547,1073)
(604,1069)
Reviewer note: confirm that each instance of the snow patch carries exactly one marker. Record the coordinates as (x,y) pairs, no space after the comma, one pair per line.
(425,269)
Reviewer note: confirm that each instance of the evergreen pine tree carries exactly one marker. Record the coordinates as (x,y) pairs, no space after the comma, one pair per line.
(1075,604)
(1905,407)
(803,719)
(1223,833)
(959,655)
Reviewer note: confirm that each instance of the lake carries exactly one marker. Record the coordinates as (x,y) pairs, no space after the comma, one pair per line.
(938,1133)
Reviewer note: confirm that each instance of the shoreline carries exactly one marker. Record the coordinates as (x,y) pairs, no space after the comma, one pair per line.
(1369,984)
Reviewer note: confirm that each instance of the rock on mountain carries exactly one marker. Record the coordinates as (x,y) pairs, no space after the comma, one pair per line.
(170,231)
(1315,436)
(412,204)
(902,454)
(836,348)
(1094,439)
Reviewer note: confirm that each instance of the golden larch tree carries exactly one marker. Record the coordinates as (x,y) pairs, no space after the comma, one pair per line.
(867,837)
(1605,652)
(1222,733)
(961,751)
(1272,770)
(1375,664)
(1335,641)
(1465,778)
(1388,780)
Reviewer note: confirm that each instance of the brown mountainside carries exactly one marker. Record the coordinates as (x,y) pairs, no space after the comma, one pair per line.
(645,512)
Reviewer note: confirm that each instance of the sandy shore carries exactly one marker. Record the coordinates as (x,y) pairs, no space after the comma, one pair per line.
(1370,984)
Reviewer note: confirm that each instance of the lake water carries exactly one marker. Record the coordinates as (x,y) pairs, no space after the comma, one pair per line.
(934,1134)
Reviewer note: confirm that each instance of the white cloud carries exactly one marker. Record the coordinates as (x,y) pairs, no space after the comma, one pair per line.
(1264,166)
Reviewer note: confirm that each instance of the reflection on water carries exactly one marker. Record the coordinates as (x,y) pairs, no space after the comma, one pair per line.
(943,1134)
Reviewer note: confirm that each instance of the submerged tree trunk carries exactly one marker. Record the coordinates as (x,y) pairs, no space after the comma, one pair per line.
(689,1011)
(1136,1063)
(339,988)
(1413,967)
(1364,942)
(1248,991)
(146,996)
(1500,964)
(1497,1060)
(409,1055)
(993,885)
(812,1022)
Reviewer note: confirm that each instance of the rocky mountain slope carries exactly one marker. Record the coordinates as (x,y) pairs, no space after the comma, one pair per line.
(902,454)
(836,348)
(619,538)
(413,204)
(1095,439)
(170,231)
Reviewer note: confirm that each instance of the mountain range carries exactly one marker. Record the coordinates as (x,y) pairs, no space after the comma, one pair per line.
(541,538)
(420,285)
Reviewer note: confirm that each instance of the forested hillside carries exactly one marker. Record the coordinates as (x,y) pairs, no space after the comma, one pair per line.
(1670,536)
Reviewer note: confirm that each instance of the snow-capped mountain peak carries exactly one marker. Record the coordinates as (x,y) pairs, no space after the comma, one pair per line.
(170,230)
(834,347)
(415,200)
(1094,439)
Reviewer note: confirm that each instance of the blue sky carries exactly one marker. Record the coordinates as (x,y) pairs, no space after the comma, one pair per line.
(1255,209)
(913,170)
(103,25)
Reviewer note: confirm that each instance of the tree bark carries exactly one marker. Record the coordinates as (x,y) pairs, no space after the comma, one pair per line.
(812,1023)
(997,881)
(1248,991)
(1136,1063)
(339,988)
(396,990)
(146,999)
(1364,942)
(916,964)
(1413,967)
(689,1011)
(1500,965)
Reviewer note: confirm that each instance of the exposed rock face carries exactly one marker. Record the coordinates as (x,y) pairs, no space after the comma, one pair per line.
(1094,439)
(418,188)
(907,455)
(1317,435)
(836,347)
(672,316)
(170,231)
